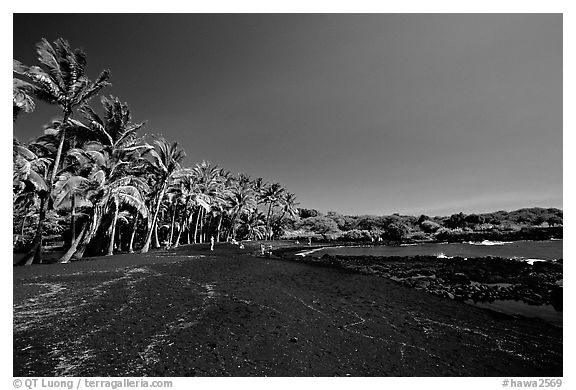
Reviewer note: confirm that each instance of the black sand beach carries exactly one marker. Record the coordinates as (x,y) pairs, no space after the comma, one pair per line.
(192,312)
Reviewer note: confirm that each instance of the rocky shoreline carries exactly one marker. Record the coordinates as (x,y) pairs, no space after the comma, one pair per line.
(483,279)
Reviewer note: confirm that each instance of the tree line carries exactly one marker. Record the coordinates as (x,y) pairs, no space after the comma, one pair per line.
(100,184)
(526,223)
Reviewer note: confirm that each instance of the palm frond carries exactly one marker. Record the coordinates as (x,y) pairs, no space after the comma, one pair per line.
(48,57)
(49,90)
(91,90)
(20,95)
(67,186)
(96,157)
(98,177)
(19,68)
(158,160)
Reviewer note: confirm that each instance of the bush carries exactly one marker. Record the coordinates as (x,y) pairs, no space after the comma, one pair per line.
(308,213)
(320,225)
(356,235)
(429,226)
(419,236)
(396,231)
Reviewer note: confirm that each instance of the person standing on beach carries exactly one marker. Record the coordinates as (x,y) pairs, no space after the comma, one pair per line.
(212,243)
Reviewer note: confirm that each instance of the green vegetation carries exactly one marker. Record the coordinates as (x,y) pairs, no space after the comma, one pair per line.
(528,223)
(94,184)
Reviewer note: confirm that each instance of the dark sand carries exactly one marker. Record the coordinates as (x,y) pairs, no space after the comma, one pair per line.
(190,311)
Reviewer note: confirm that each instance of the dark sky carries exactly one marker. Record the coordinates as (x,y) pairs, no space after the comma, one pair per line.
(362,114)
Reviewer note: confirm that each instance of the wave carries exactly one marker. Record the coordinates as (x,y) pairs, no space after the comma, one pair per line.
(532,261)
(310,251)
(488,242)
(306,253)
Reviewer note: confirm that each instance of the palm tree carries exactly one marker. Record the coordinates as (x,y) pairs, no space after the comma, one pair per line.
(219,207)
(124,221)
(108,144)
(128,195)
(64,83)
(68,194)
(133,235)
(272,196)
(25,209)
(289,206)
(194,197)
(94,191)
(241,199)
(173,198)
(254,225)
(165,162)
(185,186)
(30,173)
(108,183)
(28,167)
(115,131)
(209,185)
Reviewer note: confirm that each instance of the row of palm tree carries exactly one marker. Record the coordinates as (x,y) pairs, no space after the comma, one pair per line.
(118,189)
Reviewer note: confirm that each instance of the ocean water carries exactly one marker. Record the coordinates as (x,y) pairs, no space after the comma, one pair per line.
(527,250)
(507,306)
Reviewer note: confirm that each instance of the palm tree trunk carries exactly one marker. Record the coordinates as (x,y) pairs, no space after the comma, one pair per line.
(190,219)
(60,147)
(113,233)
(196,226)
(68,255)
(201,224)
(36,250)
(73,219)
(218,227)
(119,239)
(184,226)
(180,229)
(177,242)
(172,226)
(156,241)
(131,247)
(96,221)
(207,222)
(268,220)
(22,229)
(232,222)
(159,225)
(229,230)
(206,227)
(34,255)
(151,228)
(209,227)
